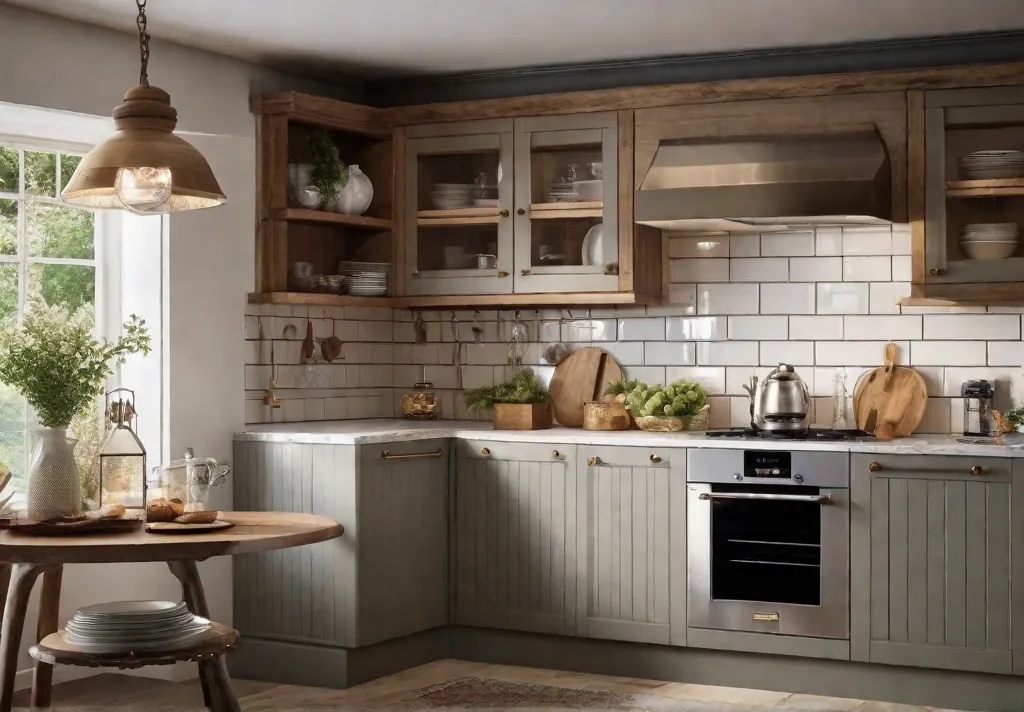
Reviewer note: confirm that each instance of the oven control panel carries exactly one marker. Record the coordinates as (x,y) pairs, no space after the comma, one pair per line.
(759,463)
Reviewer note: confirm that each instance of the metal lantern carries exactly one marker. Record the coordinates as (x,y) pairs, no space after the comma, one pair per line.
(122,457)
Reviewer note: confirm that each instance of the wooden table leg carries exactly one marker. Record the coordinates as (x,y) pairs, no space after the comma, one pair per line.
(213,674)
(23,577)
(49,611)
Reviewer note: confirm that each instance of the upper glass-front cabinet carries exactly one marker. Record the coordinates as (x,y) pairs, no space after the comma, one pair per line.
(501,206)
(974,185)
(459,196)
(566,226)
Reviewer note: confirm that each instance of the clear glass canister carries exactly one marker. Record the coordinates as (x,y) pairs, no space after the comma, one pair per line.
(421,403)
(187,480)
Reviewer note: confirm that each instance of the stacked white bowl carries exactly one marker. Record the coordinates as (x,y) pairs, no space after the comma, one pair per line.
(989,241)
(452,196)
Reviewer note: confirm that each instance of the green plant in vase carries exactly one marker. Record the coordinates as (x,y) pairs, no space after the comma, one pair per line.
(55,362)
(329,173)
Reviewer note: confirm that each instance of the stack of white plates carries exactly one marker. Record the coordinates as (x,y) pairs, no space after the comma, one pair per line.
(366,284)
(124,626)
(586,190)
(989,241)
(452,196)
(988,165)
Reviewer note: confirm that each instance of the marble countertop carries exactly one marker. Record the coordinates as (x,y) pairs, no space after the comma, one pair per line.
(359,432)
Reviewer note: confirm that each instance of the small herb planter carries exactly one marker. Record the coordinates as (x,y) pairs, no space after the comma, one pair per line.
(525,416)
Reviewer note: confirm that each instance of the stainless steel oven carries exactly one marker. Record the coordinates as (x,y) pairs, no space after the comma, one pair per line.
(768,541)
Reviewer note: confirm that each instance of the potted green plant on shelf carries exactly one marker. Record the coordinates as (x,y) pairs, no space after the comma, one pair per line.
(329,173)
(55,362)
(682,405)
(520,403)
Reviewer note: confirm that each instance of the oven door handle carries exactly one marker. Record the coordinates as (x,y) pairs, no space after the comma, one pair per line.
(812,498)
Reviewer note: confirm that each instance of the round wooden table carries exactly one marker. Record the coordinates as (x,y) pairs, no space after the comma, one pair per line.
(24,557)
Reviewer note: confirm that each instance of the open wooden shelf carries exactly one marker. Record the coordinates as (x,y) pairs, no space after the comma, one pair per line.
(318,299)
(566,214)
(360,222)
(994,188)
(568,205)
(458,216)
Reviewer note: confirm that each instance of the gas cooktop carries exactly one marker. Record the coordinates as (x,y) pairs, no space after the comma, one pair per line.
(809,434)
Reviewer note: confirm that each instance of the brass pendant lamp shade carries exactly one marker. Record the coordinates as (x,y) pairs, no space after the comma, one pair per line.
(145,167)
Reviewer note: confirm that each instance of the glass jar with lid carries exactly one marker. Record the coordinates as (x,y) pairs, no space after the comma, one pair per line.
(421,403)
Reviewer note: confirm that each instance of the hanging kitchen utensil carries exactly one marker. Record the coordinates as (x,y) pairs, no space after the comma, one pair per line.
(892,396)
(516,346)
(420,329)
(311,375)
(580,378)
(330,348)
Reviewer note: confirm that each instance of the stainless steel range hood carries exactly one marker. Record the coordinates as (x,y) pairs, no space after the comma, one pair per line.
(757,184)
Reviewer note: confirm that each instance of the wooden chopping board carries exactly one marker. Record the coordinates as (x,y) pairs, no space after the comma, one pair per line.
(579,378)
(892,395)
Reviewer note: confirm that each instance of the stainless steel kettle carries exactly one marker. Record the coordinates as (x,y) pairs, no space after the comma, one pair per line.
(782,401)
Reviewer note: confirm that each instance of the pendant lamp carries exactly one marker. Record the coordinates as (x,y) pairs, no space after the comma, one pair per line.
(144,167)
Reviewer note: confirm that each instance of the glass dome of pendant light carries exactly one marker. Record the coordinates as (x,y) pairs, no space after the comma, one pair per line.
(145,167)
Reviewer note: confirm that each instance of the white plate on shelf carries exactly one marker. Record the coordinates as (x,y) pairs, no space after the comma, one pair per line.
(593,246)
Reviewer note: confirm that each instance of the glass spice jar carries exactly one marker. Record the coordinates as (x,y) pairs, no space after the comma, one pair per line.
(421,403)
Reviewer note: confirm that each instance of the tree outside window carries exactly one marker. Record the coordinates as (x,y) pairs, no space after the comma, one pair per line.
(49,250)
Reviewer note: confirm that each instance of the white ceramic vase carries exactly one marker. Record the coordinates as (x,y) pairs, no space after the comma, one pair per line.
(357,194)
(54,486)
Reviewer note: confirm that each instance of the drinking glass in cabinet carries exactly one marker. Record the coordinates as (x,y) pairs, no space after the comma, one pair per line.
(566,174)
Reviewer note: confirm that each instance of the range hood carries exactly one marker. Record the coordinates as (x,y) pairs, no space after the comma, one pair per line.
(757,184)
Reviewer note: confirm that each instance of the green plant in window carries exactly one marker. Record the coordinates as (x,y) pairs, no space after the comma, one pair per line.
(329,174)
(54,360)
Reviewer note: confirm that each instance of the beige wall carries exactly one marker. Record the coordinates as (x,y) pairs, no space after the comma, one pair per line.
(58,64)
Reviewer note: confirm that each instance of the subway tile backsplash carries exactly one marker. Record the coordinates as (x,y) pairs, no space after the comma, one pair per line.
(734,306)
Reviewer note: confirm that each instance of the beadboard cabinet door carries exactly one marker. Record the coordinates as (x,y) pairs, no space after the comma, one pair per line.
(514,542)
(930,562)
(631,560)
(383,579)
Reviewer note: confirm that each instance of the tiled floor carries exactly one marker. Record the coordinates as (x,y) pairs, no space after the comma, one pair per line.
(140,693)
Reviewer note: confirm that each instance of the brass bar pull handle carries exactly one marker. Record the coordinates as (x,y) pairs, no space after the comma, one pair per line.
(655,459)
(557,455)
(976,470)
(593,461)
(485,451)
(386,455)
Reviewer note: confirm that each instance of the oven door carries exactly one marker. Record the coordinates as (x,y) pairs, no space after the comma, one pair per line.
(769,558)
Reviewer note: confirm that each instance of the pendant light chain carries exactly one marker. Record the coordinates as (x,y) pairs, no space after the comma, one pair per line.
(143,42)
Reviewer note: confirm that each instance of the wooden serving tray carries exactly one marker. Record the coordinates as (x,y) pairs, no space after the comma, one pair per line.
(175,528)
(72,528)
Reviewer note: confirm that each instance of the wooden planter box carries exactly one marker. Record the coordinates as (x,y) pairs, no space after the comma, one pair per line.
(530,416)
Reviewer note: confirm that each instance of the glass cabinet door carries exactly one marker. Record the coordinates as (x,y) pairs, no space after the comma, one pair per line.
(566,221)
(974,185)
(458,206)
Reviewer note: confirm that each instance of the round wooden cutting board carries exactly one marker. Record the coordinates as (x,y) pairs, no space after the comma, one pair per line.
(579,378)
(892,395)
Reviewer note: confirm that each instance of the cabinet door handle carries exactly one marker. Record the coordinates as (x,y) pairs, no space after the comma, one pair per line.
(485,451)
(386,455)
(503,213)
(557,455)
(521,211)
(655,459)
(524,272)
(976,470)
(502,275)
(936,271)
(593,461)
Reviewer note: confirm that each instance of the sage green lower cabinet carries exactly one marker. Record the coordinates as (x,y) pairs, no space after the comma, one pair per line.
(631,556)
(930,561)
(514,539)
(385,578)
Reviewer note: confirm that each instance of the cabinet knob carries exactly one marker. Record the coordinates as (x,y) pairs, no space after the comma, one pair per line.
(936,270)
(485,451)
(875,467)
(503,212)
(593,461)
(521,211)
(502,275)
(524,272)
(976,470)
(655,458)
(557,455)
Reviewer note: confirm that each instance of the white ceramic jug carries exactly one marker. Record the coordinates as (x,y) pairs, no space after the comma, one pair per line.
(357,194)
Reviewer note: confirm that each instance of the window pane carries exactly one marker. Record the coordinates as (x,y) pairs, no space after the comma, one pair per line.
(70,286)
(8,294)
(41,174)
(68,164)
(58,231)
(8,170)
(8,227)
(12,435)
